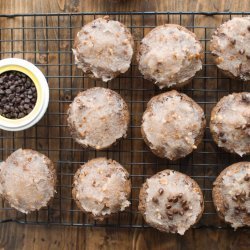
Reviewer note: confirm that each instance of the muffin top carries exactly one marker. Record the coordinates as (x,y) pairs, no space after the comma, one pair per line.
(103,48)
(173,125)
(231,194)
(98,117)
(27,180)
(230,123)
(101,187)
(170,55)
(231,46)
(171,201)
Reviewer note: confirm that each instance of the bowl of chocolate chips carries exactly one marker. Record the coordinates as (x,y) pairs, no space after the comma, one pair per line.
(24,94)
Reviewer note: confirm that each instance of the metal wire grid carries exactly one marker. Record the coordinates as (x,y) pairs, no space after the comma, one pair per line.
(46,40)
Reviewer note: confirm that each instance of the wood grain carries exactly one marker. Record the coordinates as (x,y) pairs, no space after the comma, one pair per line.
(16,236)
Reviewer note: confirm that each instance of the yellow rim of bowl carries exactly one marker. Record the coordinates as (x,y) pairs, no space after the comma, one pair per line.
(38,89)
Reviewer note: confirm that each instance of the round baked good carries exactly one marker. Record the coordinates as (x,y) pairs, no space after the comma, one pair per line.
(103,49)
(98,117)
(173,125)
(230,123)
(27,180)
(230,45)
(171,201)
(231,194)
(101,187)
(170,55)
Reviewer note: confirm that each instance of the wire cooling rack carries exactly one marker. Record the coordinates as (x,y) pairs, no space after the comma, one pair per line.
(46,40)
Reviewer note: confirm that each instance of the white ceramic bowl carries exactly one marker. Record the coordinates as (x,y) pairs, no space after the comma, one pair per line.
(42,88)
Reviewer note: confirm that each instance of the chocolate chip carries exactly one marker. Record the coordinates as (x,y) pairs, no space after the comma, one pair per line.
(241,51)
(168,206)
(170,215)
(170,199)
(21,115)
(247,177)
(11,96)
(18,100)
(248,28)
(243,127)
(21,108)
(180,195)
(155,200)
(223,140)
(233,42)
(8,92)
(12,87)
(26,106)
(175,199)
(27,85)
(161,191)
(3,100)
(18,94)
(29,111)
(186,207)
(183,202)
(234,198)
(221,134)
(175,211)
(237,194)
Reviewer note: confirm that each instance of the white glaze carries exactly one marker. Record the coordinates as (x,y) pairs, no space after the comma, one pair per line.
(172,124)
(103,48)
(172,184)
(170,55)
(101,187)
(98,117)
(26,180)
(232,37)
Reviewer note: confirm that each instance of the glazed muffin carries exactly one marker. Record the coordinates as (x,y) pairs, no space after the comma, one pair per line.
(101,187)
(27,180)
(230,123)
(171,201)
(173,125)
(230,45)
(98,117)
(103,49)
(170,55)
(231,194)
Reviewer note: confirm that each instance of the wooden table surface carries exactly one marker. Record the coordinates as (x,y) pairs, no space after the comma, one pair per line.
(15,236)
